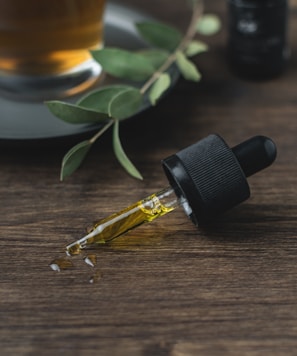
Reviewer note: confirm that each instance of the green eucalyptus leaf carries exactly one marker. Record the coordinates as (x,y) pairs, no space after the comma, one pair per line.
(124,64)
(160,35)
(208,25)
(156,56)
(187,68)
(100,99)
(75,114)
(74,158)
(121,155)
(159,88)
(125,104)
(195,47)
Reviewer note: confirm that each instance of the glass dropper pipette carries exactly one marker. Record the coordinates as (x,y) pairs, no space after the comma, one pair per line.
(206,179)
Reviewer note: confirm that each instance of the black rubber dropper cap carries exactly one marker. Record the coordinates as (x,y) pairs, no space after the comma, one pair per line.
(212,177)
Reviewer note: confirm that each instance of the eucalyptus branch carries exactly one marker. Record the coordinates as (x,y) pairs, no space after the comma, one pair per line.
(109,105)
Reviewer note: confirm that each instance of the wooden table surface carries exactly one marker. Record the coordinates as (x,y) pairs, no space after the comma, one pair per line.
(167,288)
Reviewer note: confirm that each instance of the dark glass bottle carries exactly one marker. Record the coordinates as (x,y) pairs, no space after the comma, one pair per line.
(257,46)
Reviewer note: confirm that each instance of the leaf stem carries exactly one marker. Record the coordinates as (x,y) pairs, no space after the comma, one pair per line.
(101,132)
(196,13)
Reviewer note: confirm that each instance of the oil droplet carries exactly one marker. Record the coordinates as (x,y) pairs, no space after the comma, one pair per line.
(91,260)
(60,264)
(95,277)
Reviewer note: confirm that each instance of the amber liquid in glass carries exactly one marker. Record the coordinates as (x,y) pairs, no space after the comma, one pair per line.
(44,37)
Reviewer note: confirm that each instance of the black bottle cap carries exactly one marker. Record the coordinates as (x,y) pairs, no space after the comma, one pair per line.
(212,177)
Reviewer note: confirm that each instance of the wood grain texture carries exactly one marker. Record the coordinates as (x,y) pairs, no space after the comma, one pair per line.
(167,288)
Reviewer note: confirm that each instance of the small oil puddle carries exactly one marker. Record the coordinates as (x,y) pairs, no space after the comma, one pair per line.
(60,264)
(95,278)
(91,260)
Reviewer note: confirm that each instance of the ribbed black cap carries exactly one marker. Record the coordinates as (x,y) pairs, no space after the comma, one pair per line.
(210,176)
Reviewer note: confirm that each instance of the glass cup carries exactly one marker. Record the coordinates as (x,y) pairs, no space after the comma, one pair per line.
(44,46)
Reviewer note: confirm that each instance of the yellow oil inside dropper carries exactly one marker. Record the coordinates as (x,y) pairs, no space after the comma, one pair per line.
(145,210)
